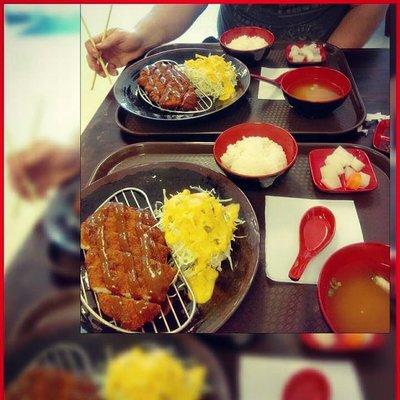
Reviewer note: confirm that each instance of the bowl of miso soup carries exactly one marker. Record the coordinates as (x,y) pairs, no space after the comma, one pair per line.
(354,289)
(315,91)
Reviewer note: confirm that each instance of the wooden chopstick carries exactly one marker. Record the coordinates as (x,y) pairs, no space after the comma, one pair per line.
(94,45)
(103,37)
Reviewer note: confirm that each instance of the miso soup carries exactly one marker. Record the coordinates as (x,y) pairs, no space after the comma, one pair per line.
(359,304)
(315,90)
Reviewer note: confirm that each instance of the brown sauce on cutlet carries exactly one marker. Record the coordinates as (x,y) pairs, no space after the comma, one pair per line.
(127,255)
(124,243)
(157,71)
(150,271)
(108,277)
(167,86)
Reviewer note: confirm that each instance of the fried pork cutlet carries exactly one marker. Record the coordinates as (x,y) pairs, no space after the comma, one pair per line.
(127,260)
(44,383)
(130,314)
(168,87)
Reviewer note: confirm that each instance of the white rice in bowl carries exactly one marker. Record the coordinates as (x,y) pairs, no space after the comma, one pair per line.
(254,156)
(245,42)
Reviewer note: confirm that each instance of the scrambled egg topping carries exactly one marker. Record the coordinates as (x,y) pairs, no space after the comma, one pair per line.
(199,230)
(152,375)
(212,75)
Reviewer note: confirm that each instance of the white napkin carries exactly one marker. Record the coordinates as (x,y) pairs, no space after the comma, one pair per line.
(372,117)
(282,221)
(265,377)
(376,116)
(266,91)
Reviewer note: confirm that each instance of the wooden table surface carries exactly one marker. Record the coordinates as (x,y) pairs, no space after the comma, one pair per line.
(29,279)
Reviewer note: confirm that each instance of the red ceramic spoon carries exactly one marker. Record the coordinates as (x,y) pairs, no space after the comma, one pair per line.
(276,82)
(307,384)
(317,228)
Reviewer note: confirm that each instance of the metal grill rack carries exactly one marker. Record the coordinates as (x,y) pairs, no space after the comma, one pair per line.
(204,102)
(181,304)
(66,356)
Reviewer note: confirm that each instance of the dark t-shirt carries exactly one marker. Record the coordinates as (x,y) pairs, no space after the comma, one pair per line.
(287,22)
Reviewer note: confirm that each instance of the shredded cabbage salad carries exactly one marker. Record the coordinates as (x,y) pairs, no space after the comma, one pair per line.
(214,76)
(157,374)
(199,230)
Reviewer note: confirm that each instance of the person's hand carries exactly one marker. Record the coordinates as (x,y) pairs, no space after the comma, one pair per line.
(117,49)
(41,167)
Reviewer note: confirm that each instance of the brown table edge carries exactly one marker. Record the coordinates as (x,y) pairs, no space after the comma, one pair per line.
(383,162)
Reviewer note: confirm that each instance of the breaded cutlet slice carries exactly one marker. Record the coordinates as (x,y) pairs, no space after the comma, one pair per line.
(126,254)
(128,313)
(107,216)
(150,283)
(168,87)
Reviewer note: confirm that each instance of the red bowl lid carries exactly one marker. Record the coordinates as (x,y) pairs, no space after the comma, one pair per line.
(307,384)
(316,160)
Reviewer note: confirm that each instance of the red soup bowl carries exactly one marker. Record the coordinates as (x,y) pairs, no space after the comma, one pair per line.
(249,129)
(322,75)
(247,56)
(345,264)
(289,81)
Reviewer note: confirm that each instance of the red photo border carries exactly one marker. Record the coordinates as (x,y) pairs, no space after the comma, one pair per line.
(394,155)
